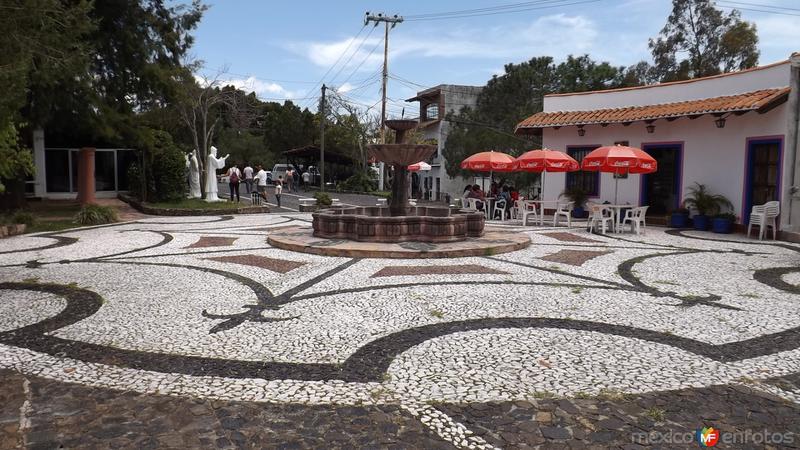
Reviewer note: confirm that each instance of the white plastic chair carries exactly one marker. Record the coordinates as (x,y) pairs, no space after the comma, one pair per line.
(525,209)
(765,216)
(563,209)
(499,206)
(599,216)
(636,217)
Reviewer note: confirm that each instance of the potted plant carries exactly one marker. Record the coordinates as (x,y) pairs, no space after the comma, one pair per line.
(723,223)
(578,198)
(679,218)
(706,203)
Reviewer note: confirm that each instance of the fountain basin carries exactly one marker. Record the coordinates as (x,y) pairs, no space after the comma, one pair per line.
(376,224)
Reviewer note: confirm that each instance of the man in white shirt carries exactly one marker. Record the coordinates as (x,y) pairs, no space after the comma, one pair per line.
(261,176)
(248,178)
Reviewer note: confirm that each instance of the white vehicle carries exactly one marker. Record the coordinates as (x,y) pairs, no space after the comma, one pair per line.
(279,170)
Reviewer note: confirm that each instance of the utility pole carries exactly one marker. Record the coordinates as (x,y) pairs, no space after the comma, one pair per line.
(322,140)
(394,20)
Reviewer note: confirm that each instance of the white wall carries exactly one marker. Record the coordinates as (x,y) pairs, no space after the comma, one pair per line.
(772,76)
(712,156)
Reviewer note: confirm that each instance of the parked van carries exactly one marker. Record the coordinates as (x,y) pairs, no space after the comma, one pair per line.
(279,170)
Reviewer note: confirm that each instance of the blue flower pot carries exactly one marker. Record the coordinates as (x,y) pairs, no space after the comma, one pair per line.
(722,226)
(579,213)
(679,220)
(701,222)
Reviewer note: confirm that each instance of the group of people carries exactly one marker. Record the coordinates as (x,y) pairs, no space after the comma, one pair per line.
(250,177)
(497,191)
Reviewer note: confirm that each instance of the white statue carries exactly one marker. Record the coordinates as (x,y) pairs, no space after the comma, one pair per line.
(194,176)
(212,165)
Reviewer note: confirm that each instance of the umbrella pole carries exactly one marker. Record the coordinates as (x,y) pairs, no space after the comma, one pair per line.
(616,186)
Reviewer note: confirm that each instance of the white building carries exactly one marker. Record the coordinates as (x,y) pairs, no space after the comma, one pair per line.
(737,133)
(57,170)
(434,105)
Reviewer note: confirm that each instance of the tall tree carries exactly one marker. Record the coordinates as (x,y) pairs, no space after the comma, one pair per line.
(699,40)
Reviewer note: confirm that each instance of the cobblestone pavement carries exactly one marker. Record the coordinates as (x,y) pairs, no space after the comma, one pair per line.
(194,333)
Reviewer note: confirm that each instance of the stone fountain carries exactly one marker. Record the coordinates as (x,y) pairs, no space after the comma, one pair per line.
(400,221)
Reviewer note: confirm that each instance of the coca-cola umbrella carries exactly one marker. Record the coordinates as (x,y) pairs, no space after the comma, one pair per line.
(420,166)
(545,160)
(490,161)
(619,160)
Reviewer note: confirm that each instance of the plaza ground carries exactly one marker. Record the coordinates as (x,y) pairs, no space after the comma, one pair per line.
(170,332)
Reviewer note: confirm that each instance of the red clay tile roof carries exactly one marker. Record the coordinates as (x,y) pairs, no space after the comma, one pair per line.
(760,101)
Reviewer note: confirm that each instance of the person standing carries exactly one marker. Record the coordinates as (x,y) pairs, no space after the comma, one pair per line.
(248,178)
(261,182)
(279,189)
(234,176)
(306,179)
(289,178)
(295,179)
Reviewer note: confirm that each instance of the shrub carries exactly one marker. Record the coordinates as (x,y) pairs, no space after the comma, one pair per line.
(359,182)
(323,199)
(165,168)
(706,203)
(96,215)
(23,217)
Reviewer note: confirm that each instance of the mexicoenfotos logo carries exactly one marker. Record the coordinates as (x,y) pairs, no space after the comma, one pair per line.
(707,436)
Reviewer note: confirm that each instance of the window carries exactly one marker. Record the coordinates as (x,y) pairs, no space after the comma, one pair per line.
(588,181)
(56,168)
(432,111)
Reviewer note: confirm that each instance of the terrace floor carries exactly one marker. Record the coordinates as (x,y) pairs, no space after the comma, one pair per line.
(194,332)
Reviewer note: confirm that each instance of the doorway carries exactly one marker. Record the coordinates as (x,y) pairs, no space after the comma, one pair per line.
(763,174)
(661,190)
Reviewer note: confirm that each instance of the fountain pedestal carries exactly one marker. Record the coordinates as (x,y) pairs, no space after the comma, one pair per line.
(399,222)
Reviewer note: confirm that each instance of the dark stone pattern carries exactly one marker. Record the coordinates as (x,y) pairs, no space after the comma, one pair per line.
(264,262)
(619,421)
(212,241)
(774,277)
(64,415)
(573,257)
(569,237)
(368,363)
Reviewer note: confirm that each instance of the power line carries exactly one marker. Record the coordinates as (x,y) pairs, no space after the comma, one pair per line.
(375,47)
(542,5)
(363,41)
(758,10)
(349,44)
(477,10)
(761,5)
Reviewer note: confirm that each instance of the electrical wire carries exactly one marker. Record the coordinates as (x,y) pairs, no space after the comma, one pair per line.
(544,4)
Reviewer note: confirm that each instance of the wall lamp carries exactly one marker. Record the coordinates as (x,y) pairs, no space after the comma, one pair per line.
(581,131)
(720,122)
(650,127)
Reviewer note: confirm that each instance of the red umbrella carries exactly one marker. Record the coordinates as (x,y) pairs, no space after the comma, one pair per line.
(420,166)
(490,161)
(619,160)
(545,160)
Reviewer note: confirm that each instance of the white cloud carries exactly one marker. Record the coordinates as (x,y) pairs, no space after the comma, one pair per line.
(265,89)
(346,87)
(778,36)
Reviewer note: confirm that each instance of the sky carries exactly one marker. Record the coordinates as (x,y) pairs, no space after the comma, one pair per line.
(285,50)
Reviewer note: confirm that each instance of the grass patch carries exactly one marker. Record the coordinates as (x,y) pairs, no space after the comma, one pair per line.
(51,225)
(436,313)
(577,290)
(543,394)
(582,395)
(657,414)
(749,295)
(195,203)
(613,395)
(33,280)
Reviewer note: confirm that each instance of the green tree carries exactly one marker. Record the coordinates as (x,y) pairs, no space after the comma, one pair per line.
(518,93)
(699,40)
(16,161)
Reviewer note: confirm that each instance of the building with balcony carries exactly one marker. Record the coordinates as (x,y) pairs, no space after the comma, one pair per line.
(434,106)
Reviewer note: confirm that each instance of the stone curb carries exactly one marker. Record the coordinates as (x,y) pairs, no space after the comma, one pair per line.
(12,230)
(189,212)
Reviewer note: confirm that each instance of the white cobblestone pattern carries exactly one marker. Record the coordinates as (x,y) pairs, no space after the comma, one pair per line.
(153,308)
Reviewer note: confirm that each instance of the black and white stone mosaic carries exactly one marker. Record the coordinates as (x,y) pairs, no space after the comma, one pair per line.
(205,308)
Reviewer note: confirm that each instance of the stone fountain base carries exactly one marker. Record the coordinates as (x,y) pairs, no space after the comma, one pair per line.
(493,242)
(376,224)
